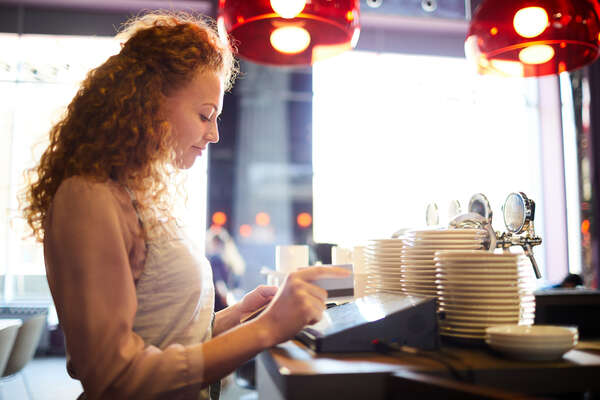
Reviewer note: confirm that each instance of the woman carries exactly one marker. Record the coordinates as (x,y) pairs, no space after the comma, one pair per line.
(134,298)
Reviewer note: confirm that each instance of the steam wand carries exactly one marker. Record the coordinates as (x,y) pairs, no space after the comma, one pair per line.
(507,239)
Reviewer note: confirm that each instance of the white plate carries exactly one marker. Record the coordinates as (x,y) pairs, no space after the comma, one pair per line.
(412,274)
(412,280)
(445,287)
(478,324)
(473,271)
(516,299)
(442,242)
(511,275)
(462,335)
(565,342)
(423,269)
(489,281)
(430,278)
(424,266)
(383,261)
(481,277)
(417,293)
(390,280)
(409,262)
(384,285)
(488,308)
(418,260)
(420,278)
(535,332)
(491,319)
(523,271)
(480,295)
(383,258)
(530,353)
(383,265)
(485,263)
(473,291)
(483,266)
(485,313)
(477,256)
(415,242)
(420,287)
(384,278)
(393,244)
(502,307)
(383,252)
(383,269)
(487,284)
(419,284)
(419,253)
(439,247)
(445,232)
(456,329)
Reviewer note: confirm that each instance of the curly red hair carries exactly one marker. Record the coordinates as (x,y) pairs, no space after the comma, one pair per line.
(113,128)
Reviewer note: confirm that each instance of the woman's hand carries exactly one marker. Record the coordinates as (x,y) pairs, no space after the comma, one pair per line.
(297,303)
(256,299)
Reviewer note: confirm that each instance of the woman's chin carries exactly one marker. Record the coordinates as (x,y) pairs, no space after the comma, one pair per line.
(186,163)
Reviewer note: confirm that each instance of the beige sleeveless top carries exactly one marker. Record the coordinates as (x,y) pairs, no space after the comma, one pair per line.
(175,294)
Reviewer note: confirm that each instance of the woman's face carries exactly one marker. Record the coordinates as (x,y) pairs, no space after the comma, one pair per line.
(192,112)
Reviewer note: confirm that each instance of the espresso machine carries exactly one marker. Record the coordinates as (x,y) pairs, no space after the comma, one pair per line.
(519,213)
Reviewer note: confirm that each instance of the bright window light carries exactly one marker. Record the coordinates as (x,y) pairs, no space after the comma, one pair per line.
(39,75)
(392,133)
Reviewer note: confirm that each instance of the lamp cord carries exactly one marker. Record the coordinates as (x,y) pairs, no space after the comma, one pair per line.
(385,347)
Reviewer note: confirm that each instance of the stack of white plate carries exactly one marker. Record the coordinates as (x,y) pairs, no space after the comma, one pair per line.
(383,265)
(407,264)
(479,289)
(418,264)
(537,342)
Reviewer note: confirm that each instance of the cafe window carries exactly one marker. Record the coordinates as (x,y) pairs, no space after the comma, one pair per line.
(394,132)
(39,75)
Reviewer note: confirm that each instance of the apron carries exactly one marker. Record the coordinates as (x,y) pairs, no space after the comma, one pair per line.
(176,296)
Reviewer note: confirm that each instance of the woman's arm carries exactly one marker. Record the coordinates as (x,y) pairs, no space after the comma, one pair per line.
(227,319)
(296,304)
(234,314)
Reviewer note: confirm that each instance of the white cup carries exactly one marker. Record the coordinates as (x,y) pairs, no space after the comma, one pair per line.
(341,255)
(360,273)
(358,259)
(290,258)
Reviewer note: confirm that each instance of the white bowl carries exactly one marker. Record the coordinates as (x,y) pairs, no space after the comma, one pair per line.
(534,332)
(529,352)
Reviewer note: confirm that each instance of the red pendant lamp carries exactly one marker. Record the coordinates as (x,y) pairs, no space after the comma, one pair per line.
(533,37)
(290,32)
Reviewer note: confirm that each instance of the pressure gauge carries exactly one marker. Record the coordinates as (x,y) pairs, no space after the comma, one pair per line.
(519,212)
(432,215)
(479,204)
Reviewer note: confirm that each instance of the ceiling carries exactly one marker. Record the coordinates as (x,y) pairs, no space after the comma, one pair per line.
(439,18)
(445,9)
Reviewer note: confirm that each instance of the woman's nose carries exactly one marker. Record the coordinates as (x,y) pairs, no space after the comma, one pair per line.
(213,134)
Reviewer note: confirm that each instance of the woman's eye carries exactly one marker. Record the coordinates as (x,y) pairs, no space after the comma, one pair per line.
(204,118)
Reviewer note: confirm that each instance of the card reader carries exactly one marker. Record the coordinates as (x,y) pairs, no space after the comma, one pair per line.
(352,327)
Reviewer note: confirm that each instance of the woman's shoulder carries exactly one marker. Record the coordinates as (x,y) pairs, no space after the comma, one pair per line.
(79,191)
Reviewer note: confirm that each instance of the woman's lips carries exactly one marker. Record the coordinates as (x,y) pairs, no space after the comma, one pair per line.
(198,149)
